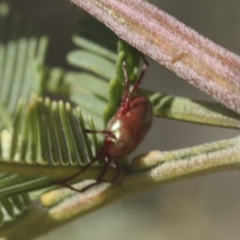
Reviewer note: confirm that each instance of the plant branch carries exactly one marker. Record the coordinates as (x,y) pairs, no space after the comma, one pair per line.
(149,171)
(169,42)
(152,171)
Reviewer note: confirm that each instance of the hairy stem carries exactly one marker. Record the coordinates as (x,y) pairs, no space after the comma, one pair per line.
(153,170)
(159,168)
(163,38)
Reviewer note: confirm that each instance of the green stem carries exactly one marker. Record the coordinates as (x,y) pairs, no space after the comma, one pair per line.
(196,111)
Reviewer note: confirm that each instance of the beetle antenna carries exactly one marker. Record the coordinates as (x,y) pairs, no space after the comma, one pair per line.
(101,176)
(143,71)
(126,98)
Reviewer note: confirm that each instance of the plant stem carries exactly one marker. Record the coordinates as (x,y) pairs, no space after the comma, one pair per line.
(149,171)
(153,171)
(169,42)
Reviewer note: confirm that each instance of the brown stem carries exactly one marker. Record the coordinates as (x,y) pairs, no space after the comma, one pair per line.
(163,38)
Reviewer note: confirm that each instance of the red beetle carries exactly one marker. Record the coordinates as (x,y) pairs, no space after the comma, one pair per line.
(125,130)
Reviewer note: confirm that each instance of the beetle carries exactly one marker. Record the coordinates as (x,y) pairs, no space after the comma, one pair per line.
(124,132)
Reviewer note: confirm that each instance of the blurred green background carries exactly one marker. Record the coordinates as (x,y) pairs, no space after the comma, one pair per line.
(201,208)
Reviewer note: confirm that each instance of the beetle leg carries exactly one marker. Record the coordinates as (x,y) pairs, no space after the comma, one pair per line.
(118,170)
(84,168)
(100,177)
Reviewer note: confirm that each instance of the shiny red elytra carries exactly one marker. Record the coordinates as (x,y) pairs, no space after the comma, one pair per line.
(124,132)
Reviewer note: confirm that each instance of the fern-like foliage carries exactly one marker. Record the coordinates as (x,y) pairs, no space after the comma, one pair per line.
(21,57)
(43,141)
(46,135)
(39,138)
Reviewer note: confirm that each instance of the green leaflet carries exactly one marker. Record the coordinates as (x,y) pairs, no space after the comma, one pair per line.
(21,56)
